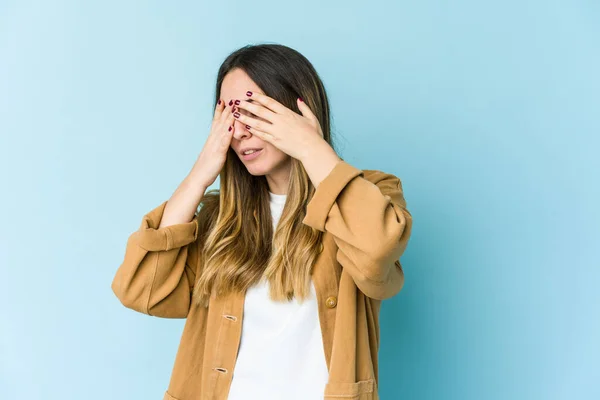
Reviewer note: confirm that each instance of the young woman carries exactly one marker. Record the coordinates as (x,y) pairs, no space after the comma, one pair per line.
(281,272)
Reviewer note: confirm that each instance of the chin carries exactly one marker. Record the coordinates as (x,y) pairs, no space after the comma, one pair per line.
(258,169)
(265,166)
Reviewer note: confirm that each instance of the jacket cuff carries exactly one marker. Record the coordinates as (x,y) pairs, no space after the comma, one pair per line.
(327,192)
(151,238)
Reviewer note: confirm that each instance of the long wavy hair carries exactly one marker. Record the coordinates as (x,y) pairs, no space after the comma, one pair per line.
(237,245)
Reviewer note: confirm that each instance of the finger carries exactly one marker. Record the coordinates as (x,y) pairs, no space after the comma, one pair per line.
(228,122)
(268,102)
(257,109)
(305,110)
(220,119)
(225,139)
(218,109)
(227,131)
(261,134)
(228,107)
(253,122)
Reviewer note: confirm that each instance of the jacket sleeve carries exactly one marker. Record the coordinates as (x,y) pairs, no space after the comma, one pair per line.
(369,223)
(159,268)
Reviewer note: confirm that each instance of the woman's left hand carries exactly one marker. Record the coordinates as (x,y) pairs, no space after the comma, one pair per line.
(290,132)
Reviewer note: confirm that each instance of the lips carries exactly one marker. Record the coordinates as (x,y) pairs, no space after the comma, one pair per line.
(252,156)
(249,148)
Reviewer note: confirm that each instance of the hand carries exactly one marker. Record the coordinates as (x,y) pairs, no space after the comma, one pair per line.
(214,153)
(294,134)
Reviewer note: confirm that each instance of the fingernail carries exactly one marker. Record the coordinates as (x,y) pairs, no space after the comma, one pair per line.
(248,93)
(230,102)
(300,98)
(236,114)
(233,109)
(247,126)
(229,129)
(237,102)
(219,101)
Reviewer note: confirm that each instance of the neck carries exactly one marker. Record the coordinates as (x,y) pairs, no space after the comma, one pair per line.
(279,179)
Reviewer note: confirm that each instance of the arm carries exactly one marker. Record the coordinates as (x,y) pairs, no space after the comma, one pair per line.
(159,269)
(158,273)
(369,222)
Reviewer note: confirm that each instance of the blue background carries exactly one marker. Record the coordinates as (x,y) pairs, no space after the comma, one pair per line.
(487,110)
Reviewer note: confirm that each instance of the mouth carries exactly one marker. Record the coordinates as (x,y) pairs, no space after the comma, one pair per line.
(251,154)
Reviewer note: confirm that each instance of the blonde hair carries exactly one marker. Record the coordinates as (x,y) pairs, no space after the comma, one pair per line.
(237,245)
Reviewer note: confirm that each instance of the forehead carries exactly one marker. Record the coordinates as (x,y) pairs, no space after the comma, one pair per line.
(236,83)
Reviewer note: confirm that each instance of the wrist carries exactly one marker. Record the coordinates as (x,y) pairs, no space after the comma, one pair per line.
(195,185)
(197,176)
(318,150)
(320,163)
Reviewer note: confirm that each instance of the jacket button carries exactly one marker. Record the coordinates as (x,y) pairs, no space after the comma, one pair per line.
(331,301)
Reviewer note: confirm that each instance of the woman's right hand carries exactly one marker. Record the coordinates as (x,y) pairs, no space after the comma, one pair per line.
(214,153)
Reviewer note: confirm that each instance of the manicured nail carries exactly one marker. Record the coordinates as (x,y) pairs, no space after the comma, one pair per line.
(247,126)
(237,102)
(233,109)
(248,93)
(229,129)
(230,102)
(236,114)
(300,98)
(219,101)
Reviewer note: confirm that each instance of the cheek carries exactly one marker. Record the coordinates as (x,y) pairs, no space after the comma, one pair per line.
(274,152)
(278,158)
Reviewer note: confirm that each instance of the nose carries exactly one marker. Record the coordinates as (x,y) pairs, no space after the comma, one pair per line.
(240,131)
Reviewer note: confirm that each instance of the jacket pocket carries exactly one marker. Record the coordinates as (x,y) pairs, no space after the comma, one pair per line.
(361,390)
(168,396)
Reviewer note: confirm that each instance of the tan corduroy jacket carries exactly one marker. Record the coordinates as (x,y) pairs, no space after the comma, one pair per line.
(367,227)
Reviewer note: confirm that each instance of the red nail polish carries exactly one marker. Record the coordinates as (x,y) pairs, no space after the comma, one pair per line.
(229,129)
(236,114)
(219,101)
(247,126)
(248,93)
(237,102)
(300,98)
(230,102)
(233,109)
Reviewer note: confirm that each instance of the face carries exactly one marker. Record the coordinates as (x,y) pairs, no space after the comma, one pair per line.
(271,161)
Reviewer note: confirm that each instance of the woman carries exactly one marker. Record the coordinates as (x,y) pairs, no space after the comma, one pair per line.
(281,272)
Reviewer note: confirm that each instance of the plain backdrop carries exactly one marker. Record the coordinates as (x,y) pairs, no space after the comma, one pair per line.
(487,110)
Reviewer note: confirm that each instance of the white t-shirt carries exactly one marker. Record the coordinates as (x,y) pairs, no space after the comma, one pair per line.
(281,352)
